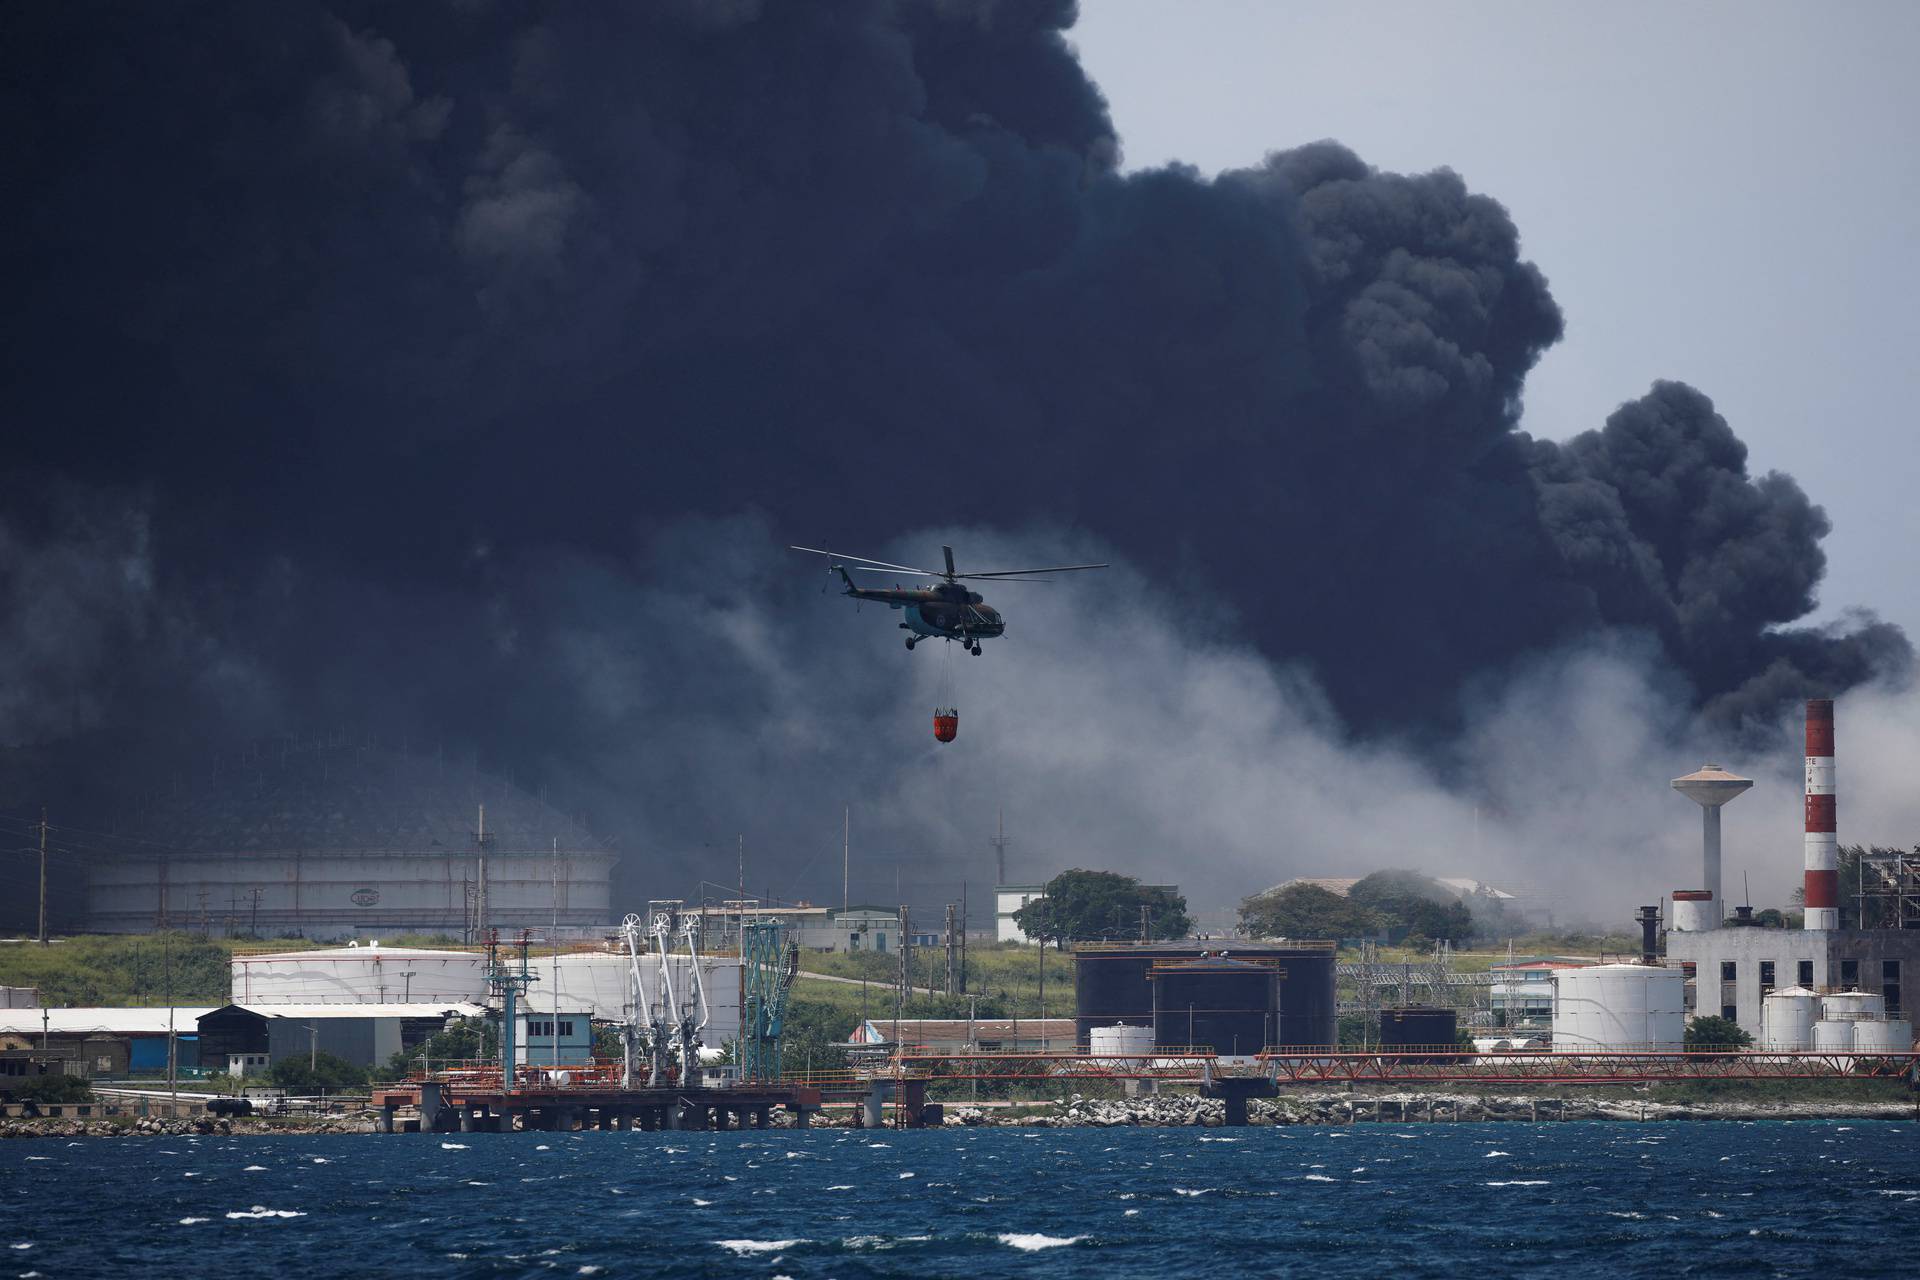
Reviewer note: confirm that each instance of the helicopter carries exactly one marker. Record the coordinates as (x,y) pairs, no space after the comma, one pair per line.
(947,610)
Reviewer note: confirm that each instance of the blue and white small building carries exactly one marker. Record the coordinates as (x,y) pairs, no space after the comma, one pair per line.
(551,1039)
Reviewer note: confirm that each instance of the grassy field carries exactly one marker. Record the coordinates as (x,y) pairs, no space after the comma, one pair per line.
(1005,978)
(138,969)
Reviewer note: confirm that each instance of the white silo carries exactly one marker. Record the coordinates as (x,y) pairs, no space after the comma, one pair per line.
(1889,1035)
(1619,1007)
(1787,1017)
(1711,787)
(1833,1035)
(1853,1006)
(1121,1041)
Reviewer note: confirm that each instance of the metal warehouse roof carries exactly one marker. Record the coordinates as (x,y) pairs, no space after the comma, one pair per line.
(139,1020)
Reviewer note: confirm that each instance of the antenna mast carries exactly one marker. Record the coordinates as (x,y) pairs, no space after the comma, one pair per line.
(1000,843)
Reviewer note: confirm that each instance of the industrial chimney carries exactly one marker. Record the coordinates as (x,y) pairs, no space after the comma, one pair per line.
(1823,852)
(1710,788)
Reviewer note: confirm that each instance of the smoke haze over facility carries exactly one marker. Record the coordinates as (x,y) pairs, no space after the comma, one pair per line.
(456,373)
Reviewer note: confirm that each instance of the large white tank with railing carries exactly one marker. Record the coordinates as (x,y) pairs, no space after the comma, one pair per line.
(1787,1017)
(1619,1007)
(1890,1035)
(1833,1035)
(1841,1006)
(1134,1044)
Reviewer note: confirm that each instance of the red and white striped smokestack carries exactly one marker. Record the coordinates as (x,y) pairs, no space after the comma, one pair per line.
(1823,852)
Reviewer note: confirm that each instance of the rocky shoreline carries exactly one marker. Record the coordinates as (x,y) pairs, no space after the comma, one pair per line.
(1172,1110)
(1333,1109)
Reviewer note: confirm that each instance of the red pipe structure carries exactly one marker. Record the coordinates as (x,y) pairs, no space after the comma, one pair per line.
(1822,885)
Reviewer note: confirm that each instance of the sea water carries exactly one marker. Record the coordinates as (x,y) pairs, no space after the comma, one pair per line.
(1450,1200)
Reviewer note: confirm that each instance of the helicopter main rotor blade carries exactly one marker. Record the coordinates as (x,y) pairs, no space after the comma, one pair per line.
(883,564)
(874,568)
(1018,573)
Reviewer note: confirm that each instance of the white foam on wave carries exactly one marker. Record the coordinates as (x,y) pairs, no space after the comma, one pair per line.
(1491,1154)
(743,1248)
(190,1222)
(453,1146)
(841,1187)
(255,1168)
(1521,1182)
(906,1175)
(698,1201)
(1033,1240)
(1129,1213)
(261,1211)
(1317,1177)
(1184,1191)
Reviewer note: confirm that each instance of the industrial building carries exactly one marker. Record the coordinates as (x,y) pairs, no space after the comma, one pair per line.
(1237,998)
(1732,966)
(112,1040)
(243,1040)
(594,977)
(342,841)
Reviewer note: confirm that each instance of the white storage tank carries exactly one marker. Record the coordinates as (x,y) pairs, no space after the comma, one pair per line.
(1892,1035)
(370,974)
(1787,1017)
(1121,1041)
(1695,911)
(1619,1007)
(1853,1005)
(1833,1035)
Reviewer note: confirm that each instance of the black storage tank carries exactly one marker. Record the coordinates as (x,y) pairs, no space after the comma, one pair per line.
(1417,1027)
(1111,984)
(1228,1006)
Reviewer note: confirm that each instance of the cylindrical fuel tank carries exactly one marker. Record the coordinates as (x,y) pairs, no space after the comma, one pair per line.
(1893,1035)
(1229,1006)
(1786,1019)
(1843,1005)
(1618,1007)
(1123,1043)
(1833,1036)
(1110,984)
(1418,1027)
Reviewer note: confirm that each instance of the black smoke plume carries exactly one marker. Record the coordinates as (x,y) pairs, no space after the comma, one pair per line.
(363,360)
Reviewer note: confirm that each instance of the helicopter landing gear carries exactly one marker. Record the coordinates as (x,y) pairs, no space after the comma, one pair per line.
(976,649)
(912,641)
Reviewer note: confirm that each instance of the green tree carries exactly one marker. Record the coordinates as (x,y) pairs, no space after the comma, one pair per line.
(1303,910)
(1713,1034)
(56,1087)
(324,1073)
(1083,906)
(1408,903)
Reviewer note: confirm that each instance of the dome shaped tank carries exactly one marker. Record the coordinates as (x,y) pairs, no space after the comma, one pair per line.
(1619,1007)
(1853,1005)
(1833,1035)
(1786,1019)
(1893,1035)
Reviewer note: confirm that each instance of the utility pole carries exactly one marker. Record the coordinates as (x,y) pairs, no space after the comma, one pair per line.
(1000,843)
(742,858)
(43,875)
(963,937)
(254,926)
(481,905)
(953,953)
(846,856)
(1042,1028)
(1146,922)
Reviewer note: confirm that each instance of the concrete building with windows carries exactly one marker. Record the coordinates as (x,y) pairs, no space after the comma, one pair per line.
(1730,970)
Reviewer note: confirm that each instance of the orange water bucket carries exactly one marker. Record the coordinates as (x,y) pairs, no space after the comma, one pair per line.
(946,723)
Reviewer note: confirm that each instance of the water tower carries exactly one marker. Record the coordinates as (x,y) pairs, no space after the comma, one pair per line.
(1710,788)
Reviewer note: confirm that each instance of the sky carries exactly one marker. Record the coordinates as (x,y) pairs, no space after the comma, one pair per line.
(1718,192)
(459,374)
